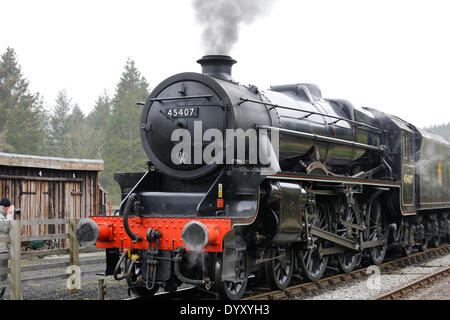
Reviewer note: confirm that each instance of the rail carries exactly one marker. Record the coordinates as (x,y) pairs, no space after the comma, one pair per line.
(296,291)
(16,254)
(414,285)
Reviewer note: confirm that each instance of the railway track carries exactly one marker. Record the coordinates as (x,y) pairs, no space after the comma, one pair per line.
(299,290)
(411,287)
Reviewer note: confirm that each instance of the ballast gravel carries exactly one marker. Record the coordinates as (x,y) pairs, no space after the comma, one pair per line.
(378,283)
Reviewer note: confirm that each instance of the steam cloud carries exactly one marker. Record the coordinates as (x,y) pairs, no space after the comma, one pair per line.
(221,21)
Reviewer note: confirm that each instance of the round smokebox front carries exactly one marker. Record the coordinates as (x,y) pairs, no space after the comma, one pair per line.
(174,120)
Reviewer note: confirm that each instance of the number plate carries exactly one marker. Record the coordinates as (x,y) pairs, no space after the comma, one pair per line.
(182,112)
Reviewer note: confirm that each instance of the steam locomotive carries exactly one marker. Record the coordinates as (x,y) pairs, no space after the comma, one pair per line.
(338,187)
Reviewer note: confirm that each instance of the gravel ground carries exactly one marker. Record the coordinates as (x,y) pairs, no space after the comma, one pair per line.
(374,286)
(56,289)
(364,289)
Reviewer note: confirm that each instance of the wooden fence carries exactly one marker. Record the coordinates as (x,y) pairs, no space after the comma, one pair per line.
(16,254)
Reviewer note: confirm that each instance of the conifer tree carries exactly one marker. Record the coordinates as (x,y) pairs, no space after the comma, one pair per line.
(96,124)
(22,117)
(58,125)
(77,136)
(123,148)
(443,130)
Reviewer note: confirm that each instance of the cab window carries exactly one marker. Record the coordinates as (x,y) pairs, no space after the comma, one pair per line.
(404,142)
(407,142)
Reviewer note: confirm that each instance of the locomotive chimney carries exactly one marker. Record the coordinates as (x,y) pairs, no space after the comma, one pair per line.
(217,66)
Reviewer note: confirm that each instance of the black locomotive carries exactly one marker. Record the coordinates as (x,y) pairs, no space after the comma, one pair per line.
(345,184)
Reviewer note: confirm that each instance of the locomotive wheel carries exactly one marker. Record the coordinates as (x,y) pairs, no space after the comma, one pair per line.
(443,227)
(376,231)
(423,245)
(279,269)
(447,226)
(232,289)
(435,233)
(406,248)
(348,260)
(311,263)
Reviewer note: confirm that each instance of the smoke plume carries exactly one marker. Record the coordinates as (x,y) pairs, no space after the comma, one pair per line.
(222,19)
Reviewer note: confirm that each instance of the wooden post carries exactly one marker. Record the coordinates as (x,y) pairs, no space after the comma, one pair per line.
(15,281)
(101,289)
(74,246)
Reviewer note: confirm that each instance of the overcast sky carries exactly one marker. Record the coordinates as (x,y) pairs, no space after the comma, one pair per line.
(390,55)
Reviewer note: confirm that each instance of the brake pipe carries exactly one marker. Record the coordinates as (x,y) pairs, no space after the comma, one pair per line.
(126,212)
(117,268)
